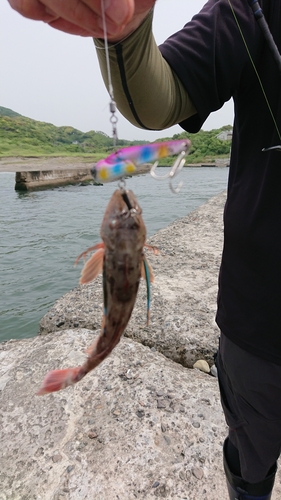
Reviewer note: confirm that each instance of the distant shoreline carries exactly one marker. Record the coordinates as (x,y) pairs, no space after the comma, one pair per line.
(32,164)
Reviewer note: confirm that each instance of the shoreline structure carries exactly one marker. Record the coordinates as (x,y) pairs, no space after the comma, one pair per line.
(44,173)
(142,425)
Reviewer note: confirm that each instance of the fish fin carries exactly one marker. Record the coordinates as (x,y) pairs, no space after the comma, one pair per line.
(103,322)
(90,249)
(104,289)
(154,249)
(146,267)
(147,275)
(93,267)
(56,380)
(90,350)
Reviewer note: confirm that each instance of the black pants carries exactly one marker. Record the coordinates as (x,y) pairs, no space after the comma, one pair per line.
(250,390)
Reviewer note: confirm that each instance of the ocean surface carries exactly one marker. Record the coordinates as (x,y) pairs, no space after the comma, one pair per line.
(42,232)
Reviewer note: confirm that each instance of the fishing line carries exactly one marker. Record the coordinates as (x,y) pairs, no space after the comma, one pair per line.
(255,69)
(112,104)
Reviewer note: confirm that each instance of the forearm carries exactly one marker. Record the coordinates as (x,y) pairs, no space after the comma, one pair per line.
(147,92)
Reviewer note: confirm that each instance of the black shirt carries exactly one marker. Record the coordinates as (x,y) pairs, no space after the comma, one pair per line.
(214,63)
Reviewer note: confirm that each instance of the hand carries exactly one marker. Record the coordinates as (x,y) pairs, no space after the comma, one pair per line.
(83,17)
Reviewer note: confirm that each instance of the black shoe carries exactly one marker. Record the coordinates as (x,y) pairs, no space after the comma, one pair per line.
(239,489)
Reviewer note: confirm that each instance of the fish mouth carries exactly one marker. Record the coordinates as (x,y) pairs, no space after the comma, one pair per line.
(133,211)
(125,197)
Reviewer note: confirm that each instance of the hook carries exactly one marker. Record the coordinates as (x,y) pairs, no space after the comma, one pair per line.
(277,148)
(176,168)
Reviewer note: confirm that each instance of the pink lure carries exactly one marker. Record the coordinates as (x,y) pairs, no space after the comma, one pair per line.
(126,161)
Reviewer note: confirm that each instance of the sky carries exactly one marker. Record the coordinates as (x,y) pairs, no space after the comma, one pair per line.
(54,77)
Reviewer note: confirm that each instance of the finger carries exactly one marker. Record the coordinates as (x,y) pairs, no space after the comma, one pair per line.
(119,12)
(83,14)
(87,13)
(32,9)
(72,29)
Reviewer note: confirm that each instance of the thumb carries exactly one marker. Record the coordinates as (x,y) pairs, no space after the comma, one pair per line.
(120,12)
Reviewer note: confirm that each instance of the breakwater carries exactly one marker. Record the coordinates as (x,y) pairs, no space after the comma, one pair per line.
(26,181)
(141,425)
(144,424)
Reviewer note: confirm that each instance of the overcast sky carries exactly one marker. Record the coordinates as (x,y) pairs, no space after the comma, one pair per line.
(54,77)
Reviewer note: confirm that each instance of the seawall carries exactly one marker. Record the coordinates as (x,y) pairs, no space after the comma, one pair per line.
(36,179)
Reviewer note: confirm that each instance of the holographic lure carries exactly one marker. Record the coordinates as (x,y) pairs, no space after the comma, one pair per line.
(126,161)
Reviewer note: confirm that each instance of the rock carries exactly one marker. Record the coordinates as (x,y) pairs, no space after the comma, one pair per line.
(197,472)
(214,371)
(202,365)
(92,435)
(107,444)
(57,457)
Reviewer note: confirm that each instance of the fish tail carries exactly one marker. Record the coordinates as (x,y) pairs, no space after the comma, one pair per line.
(56,380)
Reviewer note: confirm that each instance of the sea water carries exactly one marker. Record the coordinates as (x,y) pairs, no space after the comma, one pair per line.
(42,232)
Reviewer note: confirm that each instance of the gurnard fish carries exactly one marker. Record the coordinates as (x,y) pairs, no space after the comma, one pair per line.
(121,260)
(127,160)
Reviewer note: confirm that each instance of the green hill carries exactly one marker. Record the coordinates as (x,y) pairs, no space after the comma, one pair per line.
(205,145)
(22,136)
(8,112)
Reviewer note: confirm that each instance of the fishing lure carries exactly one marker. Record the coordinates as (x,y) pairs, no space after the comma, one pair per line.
(127,160)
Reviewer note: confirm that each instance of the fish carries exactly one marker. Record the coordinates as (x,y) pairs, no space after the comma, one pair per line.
(126,161)
(120,257)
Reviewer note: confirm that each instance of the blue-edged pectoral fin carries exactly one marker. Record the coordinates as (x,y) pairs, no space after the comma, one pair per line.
(147,274)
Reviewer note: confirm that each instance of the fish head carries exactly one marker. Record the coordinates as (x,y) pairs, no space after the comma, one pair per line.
(123,220)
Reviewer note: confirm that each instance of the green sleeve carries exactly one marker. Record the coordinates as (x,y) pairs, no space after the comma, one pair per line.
(146,90)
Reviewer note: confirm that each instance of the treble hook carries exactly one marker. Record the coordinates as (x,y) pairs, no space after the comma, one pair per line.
(176,168)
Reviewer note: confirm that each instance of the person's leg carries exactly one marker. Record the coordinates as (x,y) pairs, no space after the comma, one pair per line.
(238,489)
(231,455)
(249,388)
